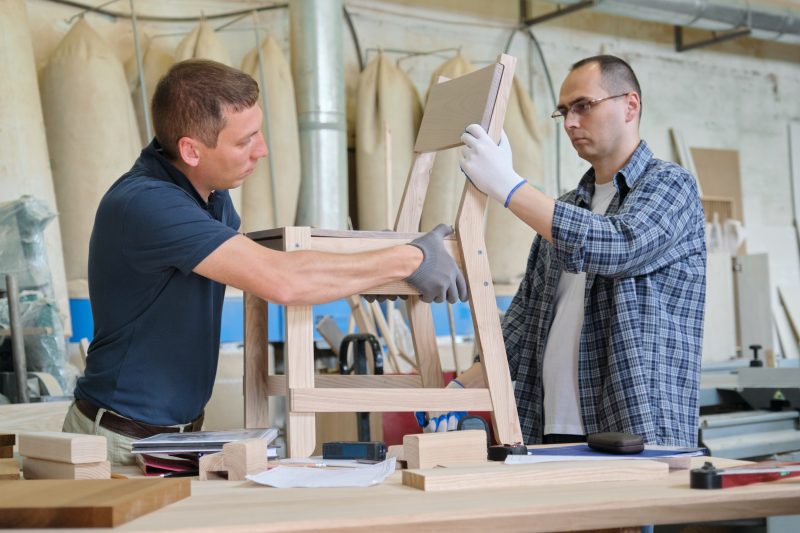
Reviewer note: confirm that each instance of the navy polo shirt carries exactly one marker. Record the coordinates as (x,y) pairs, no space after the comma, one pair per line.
(156,323)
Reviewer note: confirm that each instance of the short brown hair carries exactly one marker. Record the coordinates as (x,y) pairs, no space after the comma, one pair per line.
(189,101)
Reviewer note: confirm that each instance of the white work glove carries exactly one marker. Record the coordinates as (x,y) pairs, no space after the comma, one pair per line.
(488,165)
(439,422)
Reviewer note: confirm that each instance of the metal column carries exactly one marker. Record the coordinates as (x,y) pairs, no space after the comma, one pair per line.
(317,67)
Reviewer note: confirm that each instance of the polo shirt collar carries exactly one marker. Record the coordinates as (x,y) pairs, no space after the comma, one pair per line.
(153,156)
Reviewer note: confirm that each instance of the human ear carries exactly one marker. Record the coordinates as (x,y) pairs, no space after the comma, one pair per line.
(188,152)
(633,105)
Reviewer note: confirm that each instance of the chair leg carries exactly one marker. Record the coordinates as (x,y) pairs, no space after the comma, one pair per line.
(422,331)
(299,362)
(256,350)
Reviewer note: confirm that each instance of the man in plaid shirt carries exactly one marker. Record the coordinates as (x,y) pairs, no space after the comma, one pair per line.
(605,331)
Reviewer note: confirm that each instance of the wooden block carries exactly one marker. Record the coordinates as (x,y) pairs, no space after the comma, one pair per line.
(33,468)
(245,457)
(9,469)
(6,452)
(8,439)
(557,473)
(212,466)
(72,448)
(427,450)
(85,502)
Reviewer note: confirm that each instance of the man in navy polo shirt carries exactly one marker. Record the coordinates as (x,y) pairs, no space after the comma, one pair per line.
(165,245)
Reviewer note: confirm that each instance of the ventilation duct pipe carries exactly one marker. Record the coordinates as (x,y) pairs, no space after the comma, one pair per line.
(315,28)
(766,20)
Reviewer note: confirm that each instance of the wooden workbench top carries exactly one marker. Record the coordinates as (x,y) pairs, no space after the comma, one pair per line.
(245,506)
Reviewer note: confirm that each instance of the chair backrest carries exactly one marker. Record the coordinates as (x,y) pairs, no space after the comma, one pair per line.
(479,97)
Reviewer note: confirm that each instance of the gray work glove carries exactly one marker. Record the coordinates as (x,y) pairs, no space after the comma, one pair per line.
(437,278)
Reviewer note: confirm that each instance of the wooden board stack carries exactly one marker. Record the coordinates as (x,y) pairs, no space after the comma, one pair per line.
(55,455)
(9,467)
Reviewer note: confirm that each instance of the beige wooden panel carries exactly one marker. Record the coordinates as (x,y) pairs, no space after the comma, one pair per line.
(719,176)
(719,337)
(306,400)
(753,302)
(454,105)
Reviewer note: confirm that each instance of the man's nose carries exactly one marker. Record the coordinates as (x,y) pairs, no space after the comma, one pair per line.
(261,149)
(571,120)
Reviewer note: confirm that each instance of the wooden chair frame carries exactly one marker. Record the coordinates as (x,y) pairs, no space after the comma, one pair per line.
(481,97)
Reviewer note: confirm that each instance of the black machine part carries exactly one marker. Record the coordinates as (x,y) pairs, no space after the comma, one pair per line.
(369,450)
(616,442)
(499,452)
(359,341)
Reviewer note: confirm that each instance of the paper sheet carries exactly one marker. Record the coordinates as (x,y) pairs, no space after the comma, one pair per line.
(284,477)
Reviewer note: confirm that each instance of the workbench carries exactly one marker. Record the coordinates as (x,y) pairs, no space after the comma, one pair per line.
(245,506)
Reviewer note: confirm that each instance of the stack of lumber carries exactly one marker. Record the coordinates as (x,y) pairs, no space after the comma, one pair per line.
(56,455)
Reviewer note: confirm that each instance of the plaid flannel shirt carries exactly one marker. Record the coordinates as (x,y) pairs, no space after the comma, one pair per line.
(640,347)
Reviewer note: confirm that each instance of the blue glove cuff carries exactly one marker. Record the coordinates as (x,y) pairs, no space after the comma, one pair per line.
(512,191)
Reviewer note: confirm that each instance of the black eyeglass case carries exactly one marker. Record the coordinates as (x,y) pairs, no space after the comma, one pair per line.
(616,442)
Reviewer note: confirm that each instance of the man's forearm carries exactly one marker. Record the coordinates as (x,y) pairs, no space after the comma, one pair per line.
(319,277)
(534,208)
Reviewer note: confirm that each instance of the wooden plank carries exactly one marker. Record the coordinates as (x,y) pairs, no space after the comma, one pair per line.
(308,400)
(277,384)
(72,448)
(428,450)
(256,358)
(719,342)
(453,105)
(488,332)
(790,299)
(85,502)
(9,469)
(419,177)
(8,439)
(6,452)
(299,358)
(753,302)
(719,175)
(33,468)
(561,473)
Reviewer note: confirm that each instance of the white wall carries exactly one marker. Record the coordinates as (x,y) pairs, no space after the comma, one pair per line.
(740,95)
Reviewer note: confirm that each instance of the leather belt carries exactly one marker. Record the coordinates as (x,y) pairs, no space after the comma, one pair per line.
(132,428)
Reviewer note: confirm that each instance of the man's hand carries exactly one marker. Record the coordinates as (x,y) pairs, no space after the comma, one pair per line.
(438,277)
(438,422)
(489,166)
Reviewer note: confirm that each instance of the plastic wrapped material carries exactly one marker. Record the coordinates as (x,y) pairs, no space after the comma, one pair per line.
(45,344)
(23,255)
(22,251)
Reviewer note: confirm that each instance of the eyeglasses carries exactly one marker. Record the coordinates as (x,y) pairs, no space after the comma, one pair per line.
(582,107)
